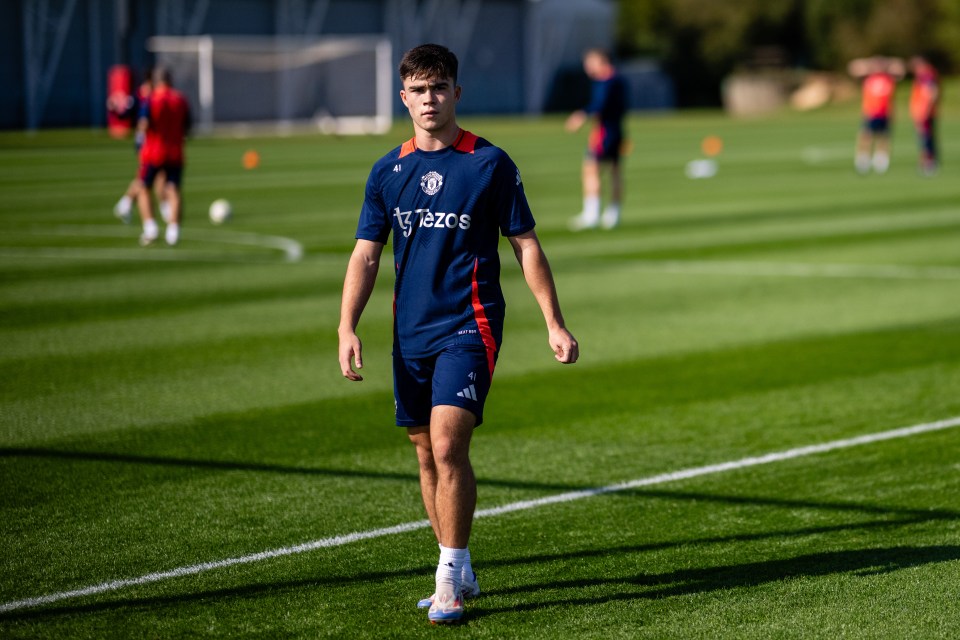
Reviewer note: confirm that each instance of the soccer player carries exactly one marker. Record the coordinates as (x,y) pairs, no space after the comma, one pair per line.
(880,76)
(608,106)
(130,109)
(164,123)
(924,96)
(447,195)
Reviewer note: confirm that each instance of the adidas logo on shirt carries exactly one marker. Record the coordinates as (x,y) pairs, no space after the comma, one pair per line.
(469,393)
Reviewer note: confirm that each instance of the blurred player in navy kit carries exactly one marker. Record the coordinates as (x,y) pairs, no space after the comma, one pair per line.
(447,196)
(608,107)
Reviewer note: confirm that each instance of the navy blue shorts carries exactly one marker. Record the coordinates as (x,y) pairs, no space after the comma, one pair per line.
(877,125)
(605,144)
(459,376)
(174,173)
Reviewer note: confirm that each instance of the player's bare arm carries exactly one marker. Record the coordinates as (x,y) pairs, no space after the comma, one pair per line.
(539,277)
(575,120)
(357,287)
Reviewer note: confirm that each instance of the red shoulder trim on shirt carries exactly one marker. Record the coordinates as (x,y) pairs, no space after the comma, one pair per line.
(408,147)
(466,142)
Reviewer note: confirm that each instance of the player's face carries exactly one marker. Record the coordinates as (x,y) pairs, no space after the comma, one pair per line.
(432,102)
(594,66)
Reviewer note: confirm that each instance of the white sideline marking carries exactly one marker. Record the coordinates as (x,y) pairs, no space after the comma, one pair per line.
(292,250)
(337,541)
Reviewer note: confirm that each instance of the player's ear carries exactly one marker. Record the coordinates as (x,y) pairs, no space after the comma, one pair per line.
(456,92)
(403,97)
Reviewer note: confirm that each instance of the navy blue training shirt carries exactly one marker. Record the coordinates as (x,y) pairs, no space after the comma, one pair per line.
(447,210)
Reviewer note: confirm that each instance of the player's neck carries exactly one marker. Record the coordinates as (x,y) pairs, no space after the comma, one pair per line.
(436,140)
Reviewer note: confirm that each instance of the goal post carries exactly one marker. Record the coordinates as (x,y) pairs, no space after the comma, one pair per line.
(339,84)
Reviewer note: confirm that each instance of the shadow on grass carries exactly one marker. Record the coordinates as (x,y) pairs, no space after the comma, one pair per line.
(227,465)
(641,586)
(257,467)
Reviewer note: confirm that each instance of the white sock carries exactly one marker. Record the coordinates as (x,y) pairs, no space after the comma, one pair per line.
(166,211)
(150,229)
(124,205)
(611,215)
(173,233)
(862,163)
(881,162)
(448,571)
(591,209)
(467,572)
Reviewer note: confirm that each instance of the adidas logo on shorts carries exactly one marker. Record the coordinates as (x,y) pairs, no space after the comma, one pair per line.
(469,392)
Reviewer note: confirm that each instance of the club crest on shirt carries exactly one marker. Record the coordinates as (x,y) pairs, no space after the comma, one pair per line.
(431,182)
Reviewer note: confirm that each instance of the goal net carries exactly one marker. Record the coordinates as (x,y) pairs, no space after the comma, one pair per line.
(337,84)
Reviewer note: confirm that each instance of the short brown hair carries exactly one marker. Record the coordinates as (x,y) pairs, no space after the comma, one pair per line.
(429,61)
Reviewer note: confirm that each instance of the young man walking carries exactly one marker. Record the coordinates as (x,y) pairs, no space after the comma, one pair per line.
(447,195)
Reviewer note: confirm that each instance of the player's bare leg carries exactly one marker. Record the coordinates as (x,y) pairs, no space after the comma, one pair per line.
(881,153)
(420,437)
(590,178)
(447,483)
(456,499)
(160,189)
(174,202)
(145,204)
(124,206)
(611,213)
(449,491)
(862,158)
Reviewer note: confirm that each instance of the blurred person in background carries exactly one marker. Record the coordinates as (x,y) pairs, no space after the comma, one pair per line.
(879,76)
(163,126)
(608,107)
(924,96)
(129,109)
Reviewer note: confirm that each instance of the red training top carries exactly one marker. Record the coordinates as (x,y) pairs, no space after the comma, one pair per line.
(923,96)
(168,116)
(878,91)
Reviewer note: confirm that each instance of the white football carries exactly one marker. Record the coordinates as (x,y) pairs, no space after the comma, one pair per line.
(220,211)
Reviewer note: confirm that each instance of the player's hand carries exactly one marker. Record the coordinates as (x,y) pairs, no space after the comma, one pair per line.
(351,351)
(565,346)
(575,121)
(138,139)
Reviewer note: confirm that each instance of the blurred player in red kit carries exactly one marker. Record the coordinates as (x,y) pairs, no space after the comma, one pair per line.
(880,76)
(129,108)
(163,125)
(924,96)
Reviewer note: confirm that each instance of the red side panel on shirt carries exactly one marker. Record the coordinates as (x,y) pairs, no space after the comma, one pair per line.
(483,324)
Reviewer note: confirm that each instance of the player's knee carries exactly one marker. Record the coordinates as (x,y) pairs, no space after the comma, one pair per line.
(449,453)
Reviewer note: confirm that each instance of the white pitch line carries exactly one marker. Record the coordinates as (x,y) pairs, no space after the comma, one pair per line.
(292,250)
(523,505)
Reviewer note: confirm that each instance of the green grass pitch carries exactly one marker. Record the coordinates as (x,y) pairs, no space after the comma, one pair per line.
(163,408)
